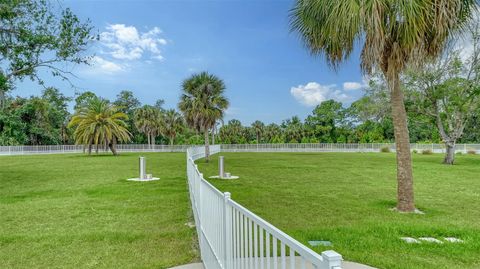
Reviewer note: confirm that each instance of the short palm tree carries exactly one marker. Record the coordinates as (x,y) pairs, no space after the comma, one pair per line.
(100,123)
(203,103)
(259,128)
(148,120)
(172,124)
(394,34)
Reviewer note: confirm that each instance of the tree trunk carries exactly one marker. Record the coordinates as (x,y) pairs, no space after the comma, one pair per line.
(148,139)
(258,138)
(171,141)
(449,142)
(213,135)
(111,145)
(207,146)
(405,198)
(450,153)
(2,99)
(153,141)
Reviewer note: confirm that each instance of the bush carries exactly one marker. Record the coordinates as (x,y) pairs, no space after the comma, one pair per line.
(472,152)
(459,153)
(385,149)
(415,151)
(427,152)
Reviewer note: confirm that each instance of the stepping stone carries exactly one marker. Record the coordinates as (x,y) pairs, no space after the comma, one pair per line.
(319,243)
(453,240)
(410,240)
(190,224)
(431,240)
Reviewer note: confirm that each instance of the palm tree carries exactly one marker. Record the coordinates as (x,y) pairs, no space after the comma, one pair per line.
(203,103)
(394,34)
(272,131)
(100,123)
(172,124)
(148,121)
(258,127)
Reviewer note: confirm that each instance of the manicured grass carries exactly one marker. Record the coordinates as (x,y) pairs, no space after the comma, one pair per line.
(346,197)
(75,211)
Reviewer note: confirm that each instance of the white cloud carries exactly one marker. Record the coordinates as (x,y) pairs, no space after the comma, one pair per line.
(314,93)
(348,86)
(101,65)
(127,43)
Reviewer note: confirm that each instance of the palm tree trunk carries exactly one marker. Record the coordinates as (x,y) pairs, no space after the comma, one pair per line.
(90,148)
(171,140)
(405,198)
(148,139)
(213,135)
(207,146)
(152,140)
(111,145)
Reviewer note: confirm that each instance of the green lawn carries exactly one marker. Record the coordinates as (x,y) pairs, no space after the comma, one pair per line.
(75,211)
(346,197)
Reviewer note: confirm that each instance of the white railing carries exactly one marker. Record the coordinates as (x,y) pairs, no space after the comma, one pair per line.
(304,147)
(342,147)
(54,149)
(232,237)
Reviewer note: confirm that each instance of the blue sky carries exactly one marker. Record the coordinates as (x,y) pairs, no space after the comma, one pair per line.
(149,47)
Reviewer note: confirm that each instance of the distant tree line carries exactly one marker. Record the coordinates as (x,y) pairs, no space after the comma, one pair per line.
(44,120)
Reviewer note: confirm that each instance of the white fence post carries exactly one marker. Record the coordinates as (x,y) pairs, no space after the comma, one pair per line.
(332,259)
(227,231)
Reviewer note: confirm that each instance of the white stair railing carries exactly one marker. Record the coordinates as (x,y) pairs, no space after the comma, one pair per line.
(232,237)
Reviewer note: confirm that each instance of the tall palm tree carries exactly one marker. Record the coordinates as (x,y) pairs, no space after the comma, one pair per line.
(394,34)
(272,131)
(172,124)
(148,121)
(258,127)
(100,123)
(203,103)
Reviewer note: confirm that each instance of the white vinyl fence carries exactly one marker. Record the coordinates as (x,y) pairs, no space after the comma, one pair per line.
(232,237)
(304,147)
(53,149)
(342,147)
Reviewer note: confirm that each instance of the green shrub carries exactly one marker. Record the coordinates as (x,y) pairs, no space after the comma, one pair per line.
(459,153)
(385,149)
(427,152)
(415,151)
(472,152)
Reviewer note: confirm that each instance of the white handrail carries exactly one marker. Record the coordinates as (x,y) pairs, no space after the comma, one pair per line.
(231,236)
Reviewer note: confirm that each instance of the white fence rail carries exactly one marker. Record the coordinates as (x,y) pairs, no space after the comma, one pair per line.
(307,147)
(342,147)
(53,149)
(232,237)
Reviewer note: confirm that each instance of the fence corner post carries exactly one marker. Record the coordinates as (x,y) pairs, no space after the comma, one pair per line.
(332,259)
(227,231)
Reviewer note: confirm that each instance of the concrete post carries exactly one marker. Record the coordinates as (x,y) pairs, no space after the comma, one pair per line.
(142,167)
(221,167)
